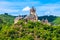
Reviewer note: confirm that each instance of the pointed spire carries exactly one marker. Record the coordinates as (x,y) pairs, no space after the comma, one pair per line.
(46,21)
(43,20)
(32,9)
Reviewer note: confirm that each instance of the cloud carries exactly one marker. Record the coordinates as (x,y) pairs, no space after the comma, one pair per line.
(20,6)
(26,9)
(49,9)
(7,6)
(8,10)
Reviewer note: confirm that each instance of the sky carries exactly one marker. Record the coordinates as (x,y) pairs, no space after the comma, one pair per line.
(22,7)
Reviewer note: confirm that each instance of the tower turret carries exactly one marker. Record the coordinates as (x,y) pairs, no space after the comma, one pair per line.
(46,21)
(32,11)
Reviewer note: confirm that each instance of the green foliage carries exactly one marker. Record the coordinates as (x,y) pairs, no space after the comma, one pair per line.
(29,30)
(57,21)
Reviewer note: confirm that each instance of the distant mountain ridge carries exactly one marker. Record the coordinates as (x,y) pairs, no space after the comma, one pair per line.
(50,18)
(10,18)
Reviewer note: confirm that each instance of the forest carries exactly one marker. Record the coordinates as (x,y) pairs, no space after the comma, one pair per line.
(29,30)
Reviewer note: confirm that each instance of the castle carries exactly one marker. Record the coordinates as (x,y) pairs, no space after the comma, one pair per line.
(33,17)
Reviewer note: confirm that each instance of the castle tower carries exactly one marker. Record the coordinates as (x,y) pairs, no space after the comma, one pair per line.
(46,21)
(33,17)
(42,20)
(33,13)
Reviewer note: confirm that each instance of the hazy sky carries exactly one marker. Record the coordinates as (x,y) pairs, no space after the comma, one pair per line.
(43,7)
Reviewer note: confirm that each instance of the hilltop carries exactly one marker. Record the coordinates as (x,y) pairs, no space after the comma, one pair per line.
(28,30)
